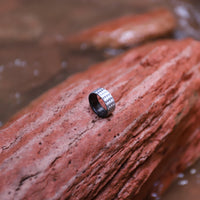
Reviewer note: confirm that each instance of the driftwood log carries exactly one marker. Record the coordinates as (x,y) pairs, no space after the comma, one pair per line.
(57,148)
(125,31)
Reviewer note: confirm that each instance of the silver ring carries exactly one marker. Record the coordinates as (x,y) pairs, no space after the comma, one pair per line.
(101,102)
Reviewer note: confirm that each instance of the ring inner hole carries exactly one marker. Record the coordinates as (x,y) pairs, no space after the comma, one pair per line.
(101,102)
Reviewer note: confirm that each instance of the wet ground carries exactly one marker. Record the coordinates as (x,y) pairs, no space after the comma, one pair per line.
(31,63)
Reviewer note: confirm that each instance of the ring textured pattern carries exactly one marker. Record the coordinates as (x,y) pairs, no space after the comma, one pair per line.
(107,99)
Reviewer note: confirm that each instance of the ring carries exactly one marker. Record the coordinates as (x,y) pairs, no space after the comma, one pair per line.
(102,102)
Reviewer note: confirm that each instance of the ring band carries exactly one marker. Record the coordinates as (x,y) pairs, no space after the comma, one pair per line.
(97,107)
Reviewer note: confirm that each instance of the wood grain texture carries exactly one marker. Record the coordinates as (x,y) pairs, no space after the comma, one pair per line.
(57,148)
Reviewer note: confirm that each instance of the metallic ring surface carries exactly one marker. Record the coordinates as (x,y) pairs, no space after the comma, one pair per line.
(108,101)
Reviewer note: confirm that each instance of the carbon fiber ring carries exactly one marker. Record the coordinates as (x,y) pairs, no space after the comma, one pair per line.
(102,102)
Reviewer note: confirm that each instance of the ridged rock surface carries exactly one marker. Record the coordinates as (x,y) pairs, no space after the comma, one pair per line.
(125,31)
(57,148)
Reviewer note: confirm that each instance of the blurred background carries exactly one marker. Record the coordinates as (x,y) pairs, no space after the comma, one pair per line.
(33,59)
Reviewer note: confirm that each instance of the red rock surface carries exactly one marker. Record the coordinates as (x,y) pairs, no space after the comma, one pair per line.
(57,148)
(125,31)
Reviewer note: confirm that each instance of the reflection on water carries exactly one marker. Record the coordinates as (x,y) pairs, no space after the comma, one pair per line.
(189,17)
(31,63)
(187,185)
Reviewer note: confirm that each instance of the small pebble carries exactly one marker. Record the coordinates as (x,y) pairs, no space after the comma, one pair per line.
(182,12)
(64,64)
(193,171)
(155,196)
(180,175)
(19,63)
(183,182)
(17,95)
(113,52)
(36,72)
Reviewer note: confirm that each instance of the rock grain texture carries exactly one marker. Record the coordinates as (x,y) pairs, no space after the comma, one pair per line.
(57,148)
(126,31)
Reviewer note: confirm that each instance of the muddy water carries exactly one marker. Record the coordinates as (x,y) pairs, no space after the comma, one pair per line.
(31,63)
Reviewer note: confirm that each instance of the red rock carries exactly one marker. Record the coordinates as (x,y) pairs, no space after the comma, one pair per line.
(57,148)
(125,31)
